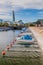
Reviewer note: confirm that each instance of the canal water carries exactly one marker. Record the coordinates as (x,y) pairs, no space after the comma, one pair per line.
(6,37)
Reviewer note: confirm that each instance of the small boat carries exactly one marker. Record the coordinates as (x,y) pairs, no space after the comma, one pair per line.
(25,38)
(25,34)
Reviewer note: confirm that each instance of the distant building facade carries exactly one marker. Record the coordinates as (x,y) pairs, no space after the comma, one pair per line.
(20,22)
(39,22)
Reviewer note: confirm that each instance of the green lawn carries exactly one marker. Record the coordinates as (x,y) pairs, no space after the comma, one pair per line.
(20,61)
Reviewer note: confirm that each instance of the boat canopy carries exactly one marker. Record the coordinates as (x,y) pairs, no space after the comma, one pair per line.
(26,37)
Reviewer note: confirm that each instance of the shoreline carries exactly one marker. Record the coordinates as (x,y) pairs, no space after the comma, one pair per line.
(38,37)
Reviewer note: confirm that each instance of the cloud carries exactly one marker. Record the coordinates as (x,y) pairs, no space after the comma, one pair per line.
(5,13)
(35,4)
(6,6)
(16,4)
(5,10)
(5,17)
(40,13)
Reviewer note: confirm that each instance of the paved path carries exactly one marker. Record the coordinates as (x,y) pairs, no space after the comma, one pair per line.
(38,37)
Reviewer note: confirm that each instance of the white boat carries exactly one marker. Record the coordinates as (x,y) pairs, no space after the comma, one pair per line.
(19,39)
(25,33)
(30,41)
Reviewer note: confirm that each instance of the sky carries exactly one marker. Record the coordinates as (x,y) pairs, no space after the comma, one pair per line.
(26,10)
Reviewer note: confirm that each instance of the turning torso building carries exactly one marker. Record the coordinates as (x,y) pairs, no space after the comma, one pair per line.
(13,16)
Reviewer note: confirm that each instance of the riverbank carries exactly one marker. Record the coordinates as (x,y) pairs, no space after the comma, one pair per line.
(38,33)
(6,28)
(10,28)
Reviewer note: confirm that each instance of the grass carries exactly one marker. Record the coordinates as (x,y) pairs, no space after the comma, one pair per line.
(20,61)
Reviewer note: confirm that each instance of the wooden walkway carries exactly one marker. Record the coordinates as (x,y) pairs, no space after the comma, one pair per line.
(38,37)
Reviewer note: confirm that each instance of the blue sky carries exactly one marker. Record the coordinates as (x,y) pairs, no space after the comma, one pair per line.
(26,10)
(29,15)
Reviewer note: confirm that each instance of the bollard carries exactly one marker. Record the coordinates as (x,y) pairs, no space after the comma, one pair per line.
(11,45)
(8,47)
(3,53)
(15,40)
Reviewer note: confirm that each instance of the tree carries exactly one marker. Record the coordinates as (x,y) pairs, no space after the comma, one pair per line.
(5,24)
(1,24)
(26,24)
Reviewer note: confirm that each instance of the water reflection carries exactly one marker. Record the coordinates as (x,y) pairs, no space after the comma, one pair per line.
(5,38)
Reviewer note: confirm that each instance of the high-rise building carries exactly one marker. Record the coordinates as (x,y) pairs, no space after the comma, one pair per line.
(13,16)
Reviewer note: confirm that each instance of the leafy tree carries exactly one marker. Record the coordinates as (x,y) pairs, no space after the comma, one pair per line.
(5,24)
(1,24)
